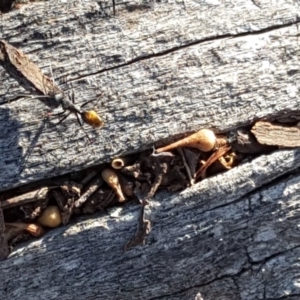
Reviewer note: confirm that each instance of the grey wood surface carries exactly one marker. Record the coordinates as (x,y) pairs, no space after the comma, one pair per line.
(233,236)
(161,70)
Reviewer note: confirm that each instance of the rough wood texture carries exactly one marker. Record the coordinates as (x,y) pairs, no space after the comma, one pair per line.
(234,236)
(175,69)
(268,133)
(163,69)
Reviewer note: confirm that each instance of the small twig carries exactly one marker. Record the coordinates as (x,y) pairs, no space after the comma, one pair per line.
(92,188)
(160,170)
(188,170)
(143,229)
(60,199)
(65,205)
(216,155)
(36,195)
(161,154)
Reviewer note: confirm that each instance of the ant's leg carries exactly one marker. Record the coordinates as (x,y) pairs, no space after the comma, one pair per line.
(58,114)
(87,102)
(114,7)
(62,119)
(78,119)
(72,96)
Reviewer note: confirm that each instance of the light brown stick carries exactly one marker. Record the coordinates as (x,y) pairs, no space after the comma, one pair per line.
(35,195)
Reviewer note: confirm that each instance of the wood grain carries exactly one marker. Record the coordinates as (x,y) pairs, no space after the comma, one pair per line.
(233,236)
(175,71)
(162,69)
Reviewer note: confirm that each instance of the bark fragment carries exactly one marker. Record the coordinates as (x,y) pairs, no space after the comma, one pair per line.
(268,133)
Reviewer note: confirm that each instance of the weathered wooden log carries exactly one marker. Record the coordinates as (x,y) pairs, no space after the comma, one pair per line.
(233,236)
(170,72)
(162,70)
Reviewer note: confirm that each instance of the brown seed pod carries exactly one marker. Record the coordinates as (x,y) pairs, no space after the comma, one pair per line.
(203,140)
(111,178)
(119,163)
(14,229)
(50,217)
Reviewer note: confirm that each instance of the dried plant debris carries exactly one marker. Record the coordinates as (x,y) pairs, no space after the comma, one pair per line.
(12,230)
(32,210)
(71,188)
(99,201)
(268,133)
(138,170)
(176,178)
(201,173)
(187,167)
(36,195)
(65,204)
(160,169)
(92,187)
(204,140)
(112,179)
(224,163)
(89,176)
(192,157)
(143,229)
(245,142)
(173,167)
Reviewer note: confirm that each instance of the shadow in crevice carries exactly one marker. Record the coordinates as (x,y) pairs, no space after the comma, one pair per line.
(11,157)
(6,5)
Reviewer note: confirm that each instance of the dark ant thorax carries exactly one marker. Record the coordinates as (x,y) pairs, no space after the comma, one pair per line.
(68,105)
